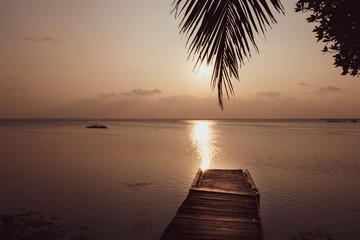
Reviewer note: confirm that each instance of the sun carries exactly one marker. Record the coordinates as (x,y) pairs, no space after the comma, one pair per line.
(204,71)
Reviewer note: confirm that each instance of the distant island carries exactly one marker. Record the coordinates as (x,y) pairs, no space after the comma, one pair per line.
(96,126)
(342,120)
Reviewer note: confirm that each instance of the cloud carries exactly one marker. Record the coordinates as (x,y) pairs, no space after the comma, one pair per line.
(304,84)
(142,92)
(183,107)
(43,39)
(7,79)
(109,95)
(134,92)
(268,94)
(15,88)
(328,89)
(333,89)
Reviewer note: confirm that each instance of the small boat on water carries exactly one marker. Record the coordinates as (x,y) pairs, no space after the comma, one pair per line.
(96,126)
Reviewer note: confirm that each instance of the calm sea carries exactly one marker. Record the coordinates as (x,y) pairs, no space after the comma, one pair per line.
(60,179)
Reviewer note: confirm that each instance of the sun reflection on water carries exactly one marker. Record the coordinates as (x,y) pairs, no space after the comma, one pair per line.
(202,138)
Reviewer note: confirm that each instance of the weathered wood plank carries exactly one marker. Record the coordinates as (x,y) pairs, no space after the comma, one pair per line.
(221,204)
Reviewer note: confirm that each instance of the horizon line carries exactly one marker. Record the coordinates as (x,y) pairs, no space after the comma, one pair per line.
(184,119)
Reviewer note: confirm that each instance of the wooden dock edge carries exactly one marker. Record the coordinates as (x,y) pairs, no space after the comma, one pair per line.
(250,181)
(252,185)
(197,178)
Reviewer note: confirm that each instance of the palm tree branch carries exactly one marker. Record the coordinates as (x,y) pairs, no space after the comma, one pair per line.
(220,32)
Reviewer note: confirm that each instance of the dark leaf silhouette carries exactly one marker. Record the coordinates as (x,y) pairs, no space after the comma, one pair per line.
(221,32)
(339,27)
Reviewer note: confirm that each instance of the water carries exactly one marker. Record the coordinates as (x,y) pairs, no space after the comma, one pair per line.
(127,181)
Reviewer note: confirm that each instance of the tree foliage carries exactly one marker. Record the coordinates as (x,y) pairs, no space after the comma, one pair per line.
(221,32)
(338,27)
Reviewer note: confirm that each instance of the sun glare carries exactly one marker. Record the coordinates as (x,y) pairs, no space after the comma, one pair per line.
(204,70)
(202,138)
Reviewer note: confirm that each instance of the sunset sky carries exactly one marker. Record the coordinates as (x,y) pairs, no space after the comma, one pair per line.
(125,59)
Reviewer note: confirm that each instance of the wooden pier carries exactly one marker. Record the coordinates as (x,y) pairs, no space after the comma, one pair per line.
(221,204)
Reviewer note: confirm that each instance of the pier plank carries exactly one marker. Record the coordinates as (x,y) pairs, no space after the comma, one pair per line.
(221,204)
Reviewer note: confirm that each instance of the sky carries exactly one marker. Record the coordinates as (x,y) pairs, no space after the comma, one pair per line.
(126,59)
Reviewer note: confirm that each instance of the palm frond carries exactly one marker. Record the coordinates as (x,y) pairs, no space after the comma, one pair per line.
(221,33)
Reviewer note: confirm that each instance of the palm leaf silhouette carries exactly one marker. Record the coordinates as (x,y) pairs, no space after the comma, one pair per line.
(221,32)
